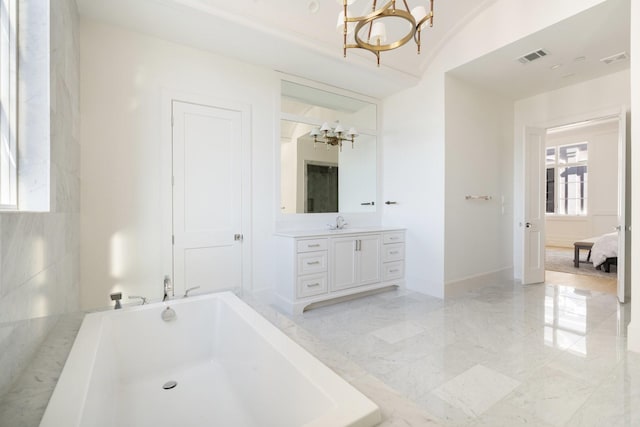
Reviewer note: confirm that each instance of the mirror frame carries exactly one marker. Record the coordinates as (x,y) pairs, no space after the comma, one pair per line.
(318,220)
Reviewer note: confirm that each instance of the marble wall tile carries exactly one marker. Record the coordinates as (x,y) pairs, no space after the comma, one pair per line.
(39,252)
(24,250)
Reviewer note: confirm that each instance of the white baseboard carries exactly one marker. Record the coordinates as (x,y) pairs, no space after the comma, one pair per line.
(478,281)
(633,337)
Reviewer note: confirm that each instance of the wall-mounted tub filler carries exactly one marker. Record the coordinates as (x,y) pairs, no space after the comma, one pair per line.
(117,296)
(186,293)
(167,288)
(144,299)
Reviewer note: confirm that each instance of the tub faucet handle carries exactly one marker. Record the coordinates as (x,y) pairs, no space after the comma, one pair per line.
(144,300)
(186,293)
(116,296)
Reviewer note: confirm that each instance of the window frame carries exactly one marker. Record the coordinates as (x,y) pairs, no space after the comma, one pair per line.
(556,166)
(8,104)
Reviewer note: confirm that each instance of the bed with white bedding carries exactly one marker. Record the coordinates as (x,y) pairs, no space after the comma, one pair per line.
(605,251)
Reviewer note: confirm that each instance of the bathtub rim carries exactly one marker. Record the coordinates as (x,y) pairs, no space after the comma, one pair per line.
(67,403)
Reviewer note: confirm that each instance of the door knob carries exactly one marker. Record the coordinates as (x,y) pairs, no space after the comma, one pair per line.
(528,225)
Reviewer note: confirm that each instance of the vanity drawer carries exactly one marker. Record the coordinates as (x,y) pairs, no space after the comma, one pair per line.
(392,270)
(393,237)
(313,284)
(312,245)
(393,252)
(312,262)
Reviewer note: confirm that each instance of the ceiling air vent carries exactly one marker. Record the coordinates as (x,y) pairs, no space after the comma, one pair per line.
(622,56)
(532,56)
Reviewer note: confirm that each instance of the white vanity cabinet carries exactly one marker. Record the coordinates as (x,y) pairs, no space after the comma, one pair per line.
(315,266)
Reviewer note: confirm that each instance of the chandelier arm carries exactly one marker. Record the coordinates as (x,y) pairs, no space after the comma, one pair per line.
(406,6)
(374,13)
(344,30)
(431,13)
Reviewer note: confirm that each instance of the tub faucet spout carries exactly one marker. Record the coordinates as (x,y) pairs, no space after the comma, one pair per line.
(167,288)
(186,293)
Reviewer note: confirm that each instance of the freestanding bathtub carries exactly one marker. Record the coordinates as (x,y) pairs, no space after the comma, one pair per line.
(231,366)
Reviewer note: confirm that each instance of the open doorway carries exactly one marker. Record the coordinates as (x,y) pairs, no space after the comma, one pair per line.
(582,175)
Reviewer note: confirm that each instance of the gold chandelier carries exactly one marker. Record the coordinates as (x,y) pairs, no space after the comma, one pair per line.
(374,36)
(333,135)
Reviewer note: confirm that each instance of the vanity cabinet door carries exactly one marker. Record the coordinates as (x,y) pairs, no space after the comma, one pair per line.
(369,259)
(343,263)
(355,261)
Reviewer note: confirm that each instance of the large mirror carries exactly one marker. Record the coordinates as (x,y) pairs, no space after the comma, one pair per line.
(319,172)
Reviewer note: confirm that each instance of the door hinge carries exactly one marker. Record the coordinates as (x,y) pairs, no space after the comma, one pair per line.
(238,237)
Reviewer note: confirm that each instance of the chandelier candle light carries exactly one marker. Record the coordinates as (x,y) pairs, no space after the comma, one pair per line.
(333,135)
(374,38)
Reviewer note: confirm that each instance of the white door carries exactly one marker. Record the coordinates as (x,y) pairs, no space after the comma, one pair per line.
(207,197)
(534,202)
(622,224)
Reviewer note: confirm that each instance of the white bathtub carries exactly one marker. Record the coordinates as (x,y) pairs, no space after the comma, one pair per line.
(233,368)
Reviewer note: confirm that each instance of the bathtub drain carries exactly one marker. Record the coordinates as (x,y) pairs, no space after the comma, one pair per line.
(169,385)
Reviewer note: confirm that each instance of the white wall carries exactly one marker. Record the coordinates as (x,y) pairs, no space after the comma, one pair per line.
(414,134)
(602,186)
(634,327)
(594,98)
(478,161)
(124,76)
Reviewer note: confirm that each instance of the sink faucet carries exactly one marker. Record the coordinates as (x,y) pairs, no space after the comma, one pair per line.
(339,225)
(167,288)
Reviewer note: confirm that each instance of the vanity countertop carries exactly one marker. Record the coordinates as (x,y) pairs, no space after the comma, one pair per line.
(327,233)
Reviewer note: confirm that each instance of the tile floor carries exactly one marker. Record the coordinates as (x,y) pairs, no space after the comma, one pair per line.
(507,355)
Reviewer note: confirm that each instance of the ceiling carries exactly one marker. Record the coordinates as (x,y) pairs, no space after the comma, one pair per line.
(575,48)
(287,36)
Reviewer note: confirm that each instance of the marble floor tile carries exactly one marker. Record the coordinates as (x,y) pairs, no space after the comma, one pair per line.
(396,409)
(476,390)
(397,332)
(551,395)
(616,402)
(505,415)
(445,413)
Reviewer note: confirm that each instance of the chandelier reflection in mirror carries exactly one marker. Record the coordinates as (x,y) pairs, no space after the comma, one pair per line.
(369,31)
(332,135)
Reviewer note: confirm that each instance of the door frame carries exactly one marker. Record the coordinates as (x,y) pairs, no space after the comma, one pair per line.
(550,123)
(166,179)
